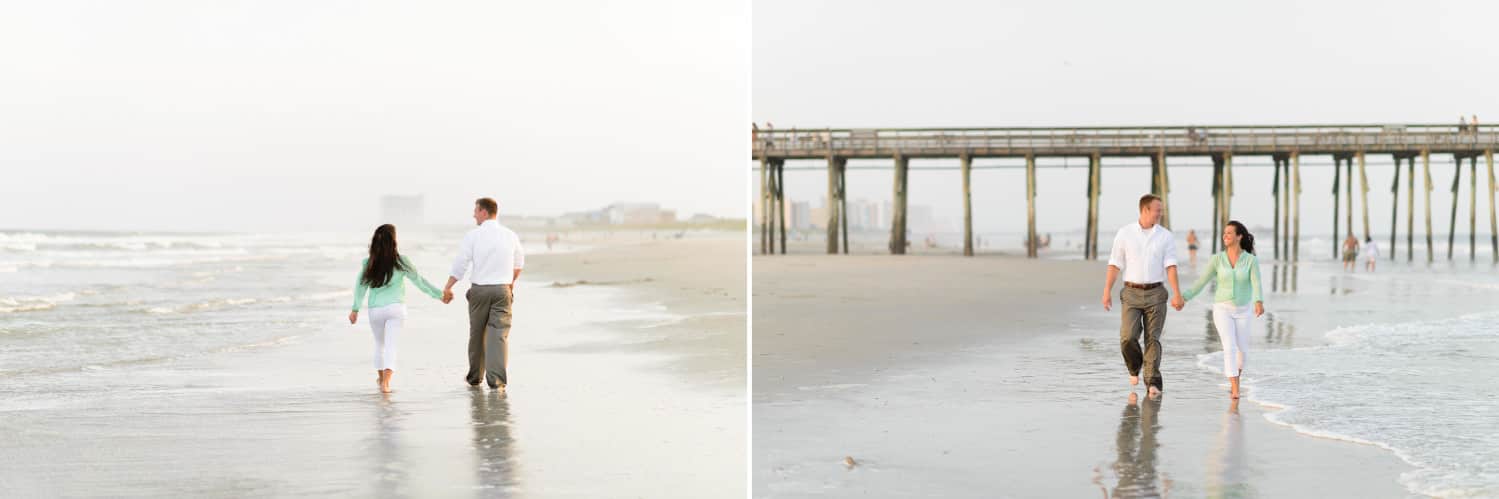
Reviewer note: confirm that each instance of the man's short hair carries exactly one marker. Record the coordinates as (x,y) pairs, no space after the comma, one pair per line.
(488,205)
(1147,199)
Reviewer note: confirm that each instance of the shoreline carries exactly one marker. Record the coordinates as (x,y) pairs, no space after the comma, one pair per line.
(302,415)
(968,318)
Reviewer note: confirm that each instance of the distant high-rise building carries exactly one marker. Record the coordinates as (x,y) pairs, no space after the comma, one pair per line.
(403,210)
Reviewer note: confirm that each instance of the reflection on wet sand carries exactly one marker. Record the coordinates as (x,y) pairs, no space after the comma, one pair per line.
(493,446)
(1136,445)
(1227,468)
(389,464)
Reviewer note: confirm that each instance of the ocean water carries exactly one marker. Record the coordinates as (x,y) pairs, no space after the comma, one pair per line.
(1415,387)
(222,365)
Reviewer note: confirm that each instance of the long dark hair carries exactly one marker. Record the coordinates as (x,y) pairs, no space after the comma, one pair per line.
(384,259)
(1247,243)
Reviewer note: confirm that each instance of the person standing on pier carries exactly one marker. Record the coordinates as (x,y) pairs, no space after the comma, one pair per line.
(1146,253)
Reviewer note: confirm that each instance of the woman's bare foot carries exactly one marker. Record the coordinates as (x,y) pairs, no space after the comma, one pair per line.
(385,380)
(1233,390)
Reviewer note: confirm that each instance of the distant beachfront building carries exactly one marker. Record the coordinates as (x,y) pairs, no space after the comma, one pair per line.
(403,210)
(801,215)
(621,213)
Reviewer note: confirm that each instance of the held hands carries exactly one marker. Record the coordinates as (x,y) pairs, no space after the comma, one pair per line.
(1259,308)
(353,316)
(1177,302)
(447,295)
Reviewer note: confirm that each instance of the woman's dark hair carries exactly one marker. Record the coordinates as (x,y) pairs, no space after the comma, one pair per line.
(1247,243)
(384,259)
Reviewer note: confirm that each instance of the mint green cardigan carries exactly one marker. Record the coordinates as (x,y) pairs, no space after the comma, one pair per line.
(393,291)
(1239,284)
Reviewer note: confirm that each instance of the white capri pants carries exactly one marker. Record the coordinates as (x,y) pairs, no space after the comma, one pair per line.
(1233,326)
(386,323)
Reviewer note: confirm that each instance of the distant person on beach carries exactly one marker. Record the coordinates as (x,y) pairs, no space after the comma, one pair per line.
(494,253)
(383,276)
(1192,246)
(1146,253)
(1350,253)
(1237,274)
(1371,253)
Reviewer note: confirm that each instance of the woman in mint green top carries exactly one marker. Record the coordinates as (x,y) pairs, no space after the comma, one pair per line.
(1237,274)
(383,277)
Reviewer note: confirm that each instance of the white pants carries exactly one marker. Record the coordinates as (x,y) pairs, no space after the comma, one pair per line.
(386,323)
(1233,331)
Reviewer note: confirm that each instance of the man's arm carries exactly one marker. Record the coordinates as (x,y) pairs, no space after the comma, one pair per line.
(1177,301)
(1116,262)
(460,266)
(1108,287)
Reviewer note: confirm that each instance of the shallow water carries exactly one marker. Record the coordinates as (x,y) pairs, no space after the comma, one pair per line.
(242,377)
(1391,359)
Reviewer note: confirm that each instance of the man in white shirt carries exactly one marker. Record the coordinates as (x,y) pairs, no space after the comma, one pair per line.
(1146,253)
(496,257)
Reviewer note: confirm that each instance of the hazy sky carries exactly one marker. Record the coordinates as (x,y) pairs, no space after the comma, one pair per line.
(263,115)
(950,63)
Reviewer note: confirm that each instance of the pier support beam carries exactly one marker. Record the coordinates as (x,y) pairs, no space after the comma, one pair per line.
(1165,191)
(1363,201)
(843,201)
(1457,174)
(1031,250)
(1217,235)
(1488,158)
(1286,192)
(832,203)
(1348,191)
(1275,238)
(898,218)
(1426,171)
(764,206)
(1337,236)
(1472,208)
(1095,172)
(1395,208)
(967,166)
(780,173)
(1296,193)
(1410,210)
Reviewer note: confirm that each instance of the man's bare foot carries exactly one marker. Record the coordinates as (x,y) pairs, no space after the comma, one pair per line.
(1134,380)
(1154,392)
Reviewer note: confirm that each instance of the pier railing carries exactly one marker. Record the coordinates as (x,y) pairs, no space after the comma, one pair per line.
(916,142)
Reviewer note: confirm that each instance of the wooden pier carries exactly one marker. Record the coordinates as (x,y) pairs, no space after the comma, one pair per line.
(1284,145)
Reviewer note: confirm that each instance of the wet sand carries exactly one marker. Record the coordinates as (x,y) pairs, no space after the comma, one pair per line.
(625,390)
(1000,377)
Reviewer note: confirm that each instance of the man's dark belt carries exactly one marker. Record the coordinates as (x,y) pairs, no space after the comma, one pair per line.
(1152,285)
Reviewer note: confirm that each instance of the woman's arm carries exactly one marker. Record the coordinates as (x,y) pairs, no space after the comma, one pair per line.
(360,288)
(1202,280)
(1254,279)
(420,282)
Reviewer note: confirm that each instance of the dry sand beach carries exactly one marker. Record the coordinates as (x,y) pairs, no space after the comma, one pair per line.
(994,376)
(628,385)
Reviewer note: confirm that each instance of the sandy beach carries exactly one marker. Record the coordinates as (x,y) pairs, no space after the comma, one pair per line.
(995,376)
(630,384)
